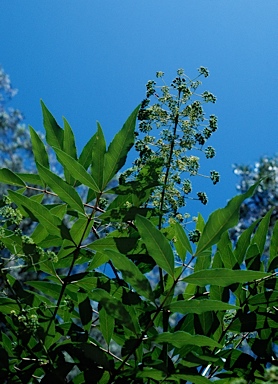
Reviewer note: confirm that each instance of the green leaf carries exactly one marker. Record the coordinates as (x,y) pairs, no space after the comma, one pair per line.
(50,222)
(182,243)
(224,246)
(76,169)
(54,133)
(98,154)
(106,325)
(118,149)
(86,313)
(259,237)
(268,298)
(131,274)
(85,157)
(31,178)
(157,245)
(69,148)
(251,322)
(273,249)
(179,339)
(65,191)
(10,178)
(48,288)
(221,220)
(113,307)
(199,306)
(8,305)
(223,277)
(244,242)
(38,148)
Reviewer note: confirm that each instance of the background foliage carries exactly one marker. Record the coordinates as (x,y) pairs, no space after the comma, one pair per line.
(210,313)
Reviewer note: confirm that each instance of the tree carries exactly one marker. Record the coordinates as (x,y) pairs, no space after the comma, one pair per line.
(210,315)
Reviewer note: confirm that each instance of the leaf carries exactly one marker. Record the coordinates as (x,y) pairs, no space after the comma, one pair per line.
(113,307)
(106,325)
(118,149)
(69,148)
(10,178)
(54,133)
(131,274)
(85,157)
(182,243)
(65,191)
(86,313)
(261,232)
(179,339)
(268,298)
(251,322)
(50,222)
(98,153)
(244,242)
(221,220)
(48,288)
(224,246)
(76,169)
(157,245)
(223,277)
(38,148)
(7,305)
(199,306)
(273,249)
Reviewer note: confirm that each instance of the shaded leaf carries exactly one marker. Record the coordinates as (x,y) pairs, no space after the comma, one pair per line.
(131,274)
(106,325)
(273,250)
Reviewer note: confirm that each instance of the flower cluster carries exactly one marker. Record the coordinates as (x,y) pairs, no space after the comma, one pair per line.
(177,112)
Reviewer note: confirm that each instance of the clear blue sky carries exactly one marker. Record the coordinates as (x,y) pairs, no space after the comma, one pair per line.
(89,60)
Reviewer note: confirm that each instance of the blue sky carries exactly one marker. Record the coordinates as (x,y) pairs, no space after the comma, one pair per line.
(90,60)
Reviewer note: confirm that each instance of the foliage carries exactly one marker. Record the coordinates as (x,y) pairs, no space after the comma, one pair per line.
(264,198)
(207,317)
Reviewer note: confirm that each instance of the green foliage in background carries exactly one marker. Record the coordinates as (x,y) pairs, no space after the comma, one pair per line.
(94,314)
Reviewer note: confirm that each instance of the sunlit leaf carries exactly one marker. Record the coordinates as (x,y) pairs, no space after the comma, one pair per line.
(223,277)
(180,338)
(106,325)
(182,243)
(118,149)
(221,220)
(10,178)
(65,191)
(54,133)
(98,153)
(76,169)
(199,306)
(38,148)
(157,245)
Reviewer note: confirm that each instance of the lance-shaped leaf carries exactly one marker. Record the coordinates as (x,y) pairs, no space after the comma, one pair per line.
(157,245)
(106,325)
(10,178)
(259,237)
(131,274)
(182,243)
(38,148)
(65,191)
(244,242)
(113,307)
(273,250)
(223,277)
(54,133)
(199,306)
(50,222)
(69,147)
(118,149)
(31,178)
(221,220)
(179,339)
(98,154)
(76,169)
(85,157)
